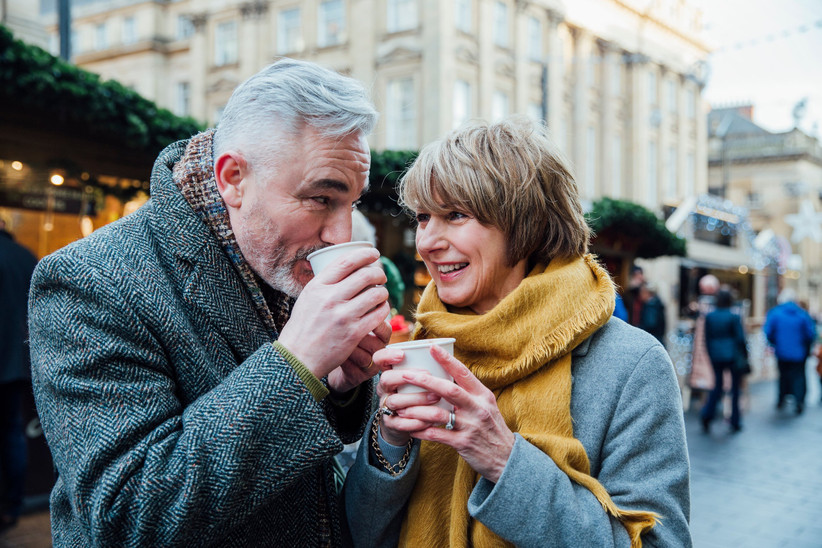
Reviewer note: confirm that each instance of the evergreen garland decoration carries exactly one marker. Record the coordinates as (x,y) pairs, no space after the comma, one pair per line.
(32,78)
(628,221)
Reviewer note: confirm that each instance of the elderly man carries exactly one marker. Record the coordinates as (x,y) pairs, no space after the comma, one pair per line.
(194,380)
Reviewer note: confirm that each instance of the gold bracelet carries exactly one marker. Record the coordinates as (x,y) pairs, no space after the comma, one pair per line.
(393,469)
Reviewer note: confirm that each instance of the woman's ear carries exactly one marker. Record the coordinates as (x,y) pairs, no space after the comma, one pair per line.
(231,173)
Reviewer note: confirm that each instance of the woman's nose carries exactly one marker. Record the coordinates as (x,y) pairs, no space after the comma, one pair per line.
(431,236)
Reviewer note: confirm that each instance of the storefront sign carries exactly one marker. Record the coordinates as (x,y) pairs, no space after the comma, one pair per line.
(57,200)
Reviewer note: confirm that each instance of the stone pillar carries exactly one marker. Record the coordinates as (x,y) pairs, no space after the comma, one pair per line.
(607,123)
(250,37)
(555,82)
(199,50)
(581,108)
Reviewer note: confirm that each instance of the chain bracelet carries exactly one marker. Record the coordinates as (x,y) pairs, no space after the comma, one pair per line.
(393,469)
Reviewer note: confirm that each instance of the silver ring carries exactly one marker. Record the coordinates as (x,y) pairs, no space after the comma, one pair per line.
(386,411)
(452,419)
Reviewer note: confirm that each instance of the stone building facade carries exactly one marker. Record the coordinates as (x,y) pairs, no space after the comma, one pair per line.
(618,81)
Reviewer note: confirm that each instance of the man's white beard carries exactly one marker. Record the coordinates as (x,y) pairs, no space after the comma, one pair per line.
(283,280)
(277,270)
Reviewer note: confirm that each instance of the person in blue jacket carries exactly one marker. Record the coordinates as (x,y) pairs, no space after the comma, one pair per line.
(725,342)
(790,330)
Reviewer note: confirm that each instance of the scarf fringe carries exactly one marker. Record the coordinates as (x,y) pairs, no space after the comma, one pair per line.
(636,522)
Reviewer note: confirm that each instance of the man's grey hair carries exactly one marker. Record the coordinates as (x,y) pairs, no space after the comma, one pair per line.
(277,103)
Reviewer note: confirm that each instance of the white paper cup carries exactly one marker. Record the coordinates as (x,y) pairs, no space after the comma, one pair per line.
(327,255)
(418,356)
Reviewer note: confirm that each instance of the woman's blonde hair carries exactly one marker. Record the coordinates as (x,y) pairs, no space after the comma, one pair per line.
(509,175)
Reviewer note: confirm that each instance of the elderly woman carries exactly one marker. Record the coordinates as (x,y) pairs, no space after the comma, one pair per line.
(567,427)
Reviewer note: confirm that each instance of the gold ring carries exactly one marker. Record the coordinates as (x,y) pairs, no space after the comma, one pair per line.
(370,365)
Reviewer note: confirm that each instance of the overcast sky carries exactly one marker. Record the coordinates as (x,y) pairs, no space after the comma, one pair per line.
(769,53)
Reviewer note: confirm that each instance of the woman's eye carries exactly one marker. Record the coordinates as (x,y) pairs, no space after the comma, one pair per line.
(422,217)
(456,215)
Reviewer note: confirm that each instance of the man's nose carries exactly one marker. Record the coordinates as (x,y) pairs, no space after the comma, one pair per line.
(337,229)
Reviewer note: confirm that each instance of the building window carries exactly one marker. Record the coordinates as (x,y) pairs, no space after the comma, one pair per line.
(652,187)
(535,112)
(499,106)
(671,87)
(690,104)
(616,167)
(54,44)
(591,162)
(129,30)
(534,39)
(501,24)
(562,136)
(652,91)
(100,36)
(75,42)
(402,15)
(401,115)
(690,175)
(185,28)
(225,43)
(670,168)
(462,15)
(331,29)
(182,103)
(462,102)
(289,28)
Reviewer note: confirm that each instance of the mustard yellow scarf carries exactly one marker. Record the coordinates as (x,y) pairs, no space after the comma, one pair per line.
(521,350)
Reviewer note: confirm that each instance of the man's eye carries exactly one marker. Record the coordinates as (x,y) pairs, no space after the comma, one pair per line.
(322,200)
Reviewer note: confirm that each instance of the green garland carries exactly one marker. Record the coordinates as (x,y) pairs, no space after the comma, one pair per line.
(33,78)
(632,222)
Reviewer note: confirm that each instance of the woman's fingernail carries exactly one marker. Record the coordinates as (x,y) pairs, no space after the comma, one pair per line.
(432,397)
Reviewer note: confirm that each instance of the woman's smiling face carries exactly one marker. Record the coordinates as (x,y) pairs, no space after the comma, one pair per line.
(467,260)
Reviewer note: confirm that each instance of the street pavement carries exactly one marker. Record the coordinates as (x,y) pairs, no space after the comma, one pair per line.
(762,487)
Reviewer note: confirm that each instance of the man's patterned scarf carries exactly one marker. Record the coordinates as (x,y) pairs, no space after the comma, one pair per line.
(194,176)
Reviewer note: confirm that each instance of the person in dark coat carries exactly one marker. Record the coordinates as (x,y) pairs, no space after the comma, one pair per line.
(726,344)
(791,332)
(652,312)
(194,379)
(16,266)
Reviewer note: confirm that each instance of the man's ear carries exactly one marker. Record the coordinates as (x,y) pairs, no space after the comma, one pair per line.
(231,173)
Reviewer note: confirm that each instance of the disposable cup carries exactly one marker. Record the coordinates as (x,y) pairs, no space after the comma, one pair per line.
(418,356)
(327,255)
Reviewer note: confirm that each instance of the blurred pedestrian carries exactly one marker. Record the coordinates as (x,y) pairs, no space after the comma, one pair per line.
(819,368)
(652,312)
(728,351)
(701,376)
(619,308)
(632,298)
(16,266)
(790,330)
(194,378)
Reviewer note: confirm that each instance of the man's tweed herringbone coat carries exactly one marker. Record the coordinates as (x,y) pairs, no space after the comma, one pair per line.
(171,418)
